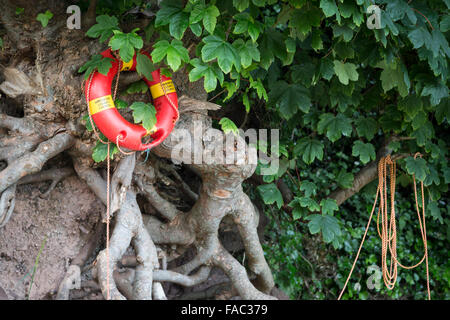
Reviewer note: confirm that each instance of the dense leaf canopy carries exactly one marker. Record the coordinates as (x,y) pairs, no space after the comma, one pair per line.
(339,92)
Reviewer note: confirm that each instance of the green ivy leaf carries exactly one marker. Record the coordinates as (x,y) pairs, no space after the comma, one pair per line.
(172,12)
(309,203)
(103,28)
(270,194)
(126,43)
(245,23)
(44,18)
(241,5)
(417,167)
(366,127)
(309,188)
(434,211)
(289,98)
(144,66)
(209,71)
(304,19)
(309,149)
(394,76)
(228,126)
(227,56)
(137,87)
(329,206)
(334,126)
(345,71)
(174,53)
(365,151)
(120,104)
(207,14)
(248,52)
(100,151)
(330,9)
(145,113)
(259,87)
(328,225)
(345,179)
(97,62)
(436,91)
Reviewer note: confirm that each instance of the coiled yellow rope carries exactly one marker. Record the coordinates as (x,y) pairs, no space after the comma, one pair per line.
(388,232)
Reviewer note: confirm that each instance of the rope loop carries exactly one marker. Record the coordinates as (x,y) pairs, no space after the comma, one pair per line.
(388,230)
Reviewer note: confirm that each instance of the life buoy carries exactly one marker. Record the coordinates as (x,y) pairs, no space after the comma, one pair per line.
(109,121)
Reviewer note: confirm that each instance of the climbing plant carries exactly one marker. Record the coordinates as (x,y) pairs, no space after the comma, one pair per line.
(339,92)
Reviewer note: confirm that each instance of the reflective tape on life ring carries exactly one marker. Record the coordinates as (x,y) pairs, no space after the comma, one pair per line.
(157,89)
(101,104)
(126,66)
(109,121)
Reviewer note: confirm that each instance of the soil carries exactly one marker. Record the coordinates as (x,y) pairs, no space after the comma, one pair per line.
(61,223)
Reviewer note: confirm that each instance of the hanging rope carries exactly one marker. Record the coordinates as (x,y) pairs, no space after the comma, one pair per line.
(108,174)
(388,232)
(108,162)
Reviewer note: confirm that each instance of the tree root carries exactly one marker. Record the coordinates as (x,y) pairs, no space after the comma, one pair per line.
(7,201)
(72,278)
(54,175)
(33,162)
(220,195)
(129,229)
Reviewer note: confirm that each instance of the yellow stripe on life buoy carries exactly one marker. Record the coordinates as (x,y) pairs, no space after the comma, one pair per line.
(127,65)
(101,104)
(157,90)
(152,130)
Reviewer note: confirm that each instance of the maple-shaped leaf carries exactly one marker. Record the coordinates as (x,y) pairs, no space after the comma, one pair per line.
(144,113)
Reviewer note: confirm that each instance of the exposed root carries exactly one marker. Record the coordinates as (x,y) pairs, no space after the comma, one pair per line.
(129,229)
(221,194)
(33,162)
(121,181)
(72,280)
(238,276)
(246,220)
(54,175)
(221,290)
(7,202)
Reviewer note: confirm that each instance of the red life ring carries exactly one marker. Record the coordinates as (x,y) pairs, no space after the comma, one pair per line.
(113,125)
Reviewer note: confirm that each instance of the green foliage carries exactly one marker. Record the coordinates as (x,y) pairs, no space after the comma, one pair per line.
(173,53)
(327,225)
(100,150)
(345,71)
(44,18)
(97,62)
(228,126)
(144,113)
(137,87)
(417,167)
(210,72)
(365,151)
(104,28)
(310,149)
(337,91)
(126,43)
(270,194)
(144,66)
(217,48)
